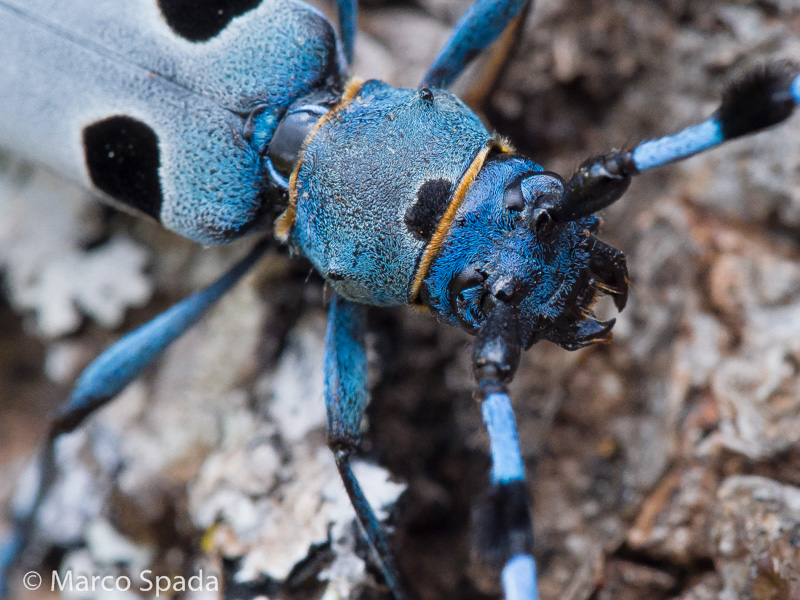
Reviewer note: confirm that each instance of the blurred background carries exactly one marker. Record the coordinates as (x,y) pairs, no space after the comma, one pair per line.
(663,465)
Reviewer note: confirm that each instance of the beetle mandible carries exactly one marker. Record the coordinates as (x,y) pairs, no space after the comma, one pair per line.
(485,239)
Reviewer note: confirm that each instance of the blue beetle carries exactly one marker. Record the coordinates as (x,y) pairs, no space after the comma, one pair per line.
(396,196)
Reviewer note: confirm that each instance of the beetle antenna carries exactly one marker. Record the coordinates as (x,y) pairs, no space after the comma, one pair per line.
(764,97)
(503,529)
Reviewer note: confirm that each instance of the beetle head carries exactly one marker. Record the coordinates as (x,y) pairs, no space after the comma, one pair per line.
(510,244)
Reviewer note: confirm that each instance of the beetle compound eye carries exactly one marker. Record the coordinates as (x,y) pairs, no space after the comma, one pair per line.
(468,278)
(533,195)
(466,296)
(513,198)
(542,190)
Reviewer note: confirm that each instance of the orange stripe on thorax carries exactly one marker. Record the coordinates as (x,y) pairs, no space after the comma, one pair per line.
(283,224)
(443,228)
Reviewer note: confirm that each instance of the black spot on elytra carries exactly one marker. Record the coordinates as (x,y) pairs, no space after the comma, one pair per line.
(122,158)
(424,215)
(201,20)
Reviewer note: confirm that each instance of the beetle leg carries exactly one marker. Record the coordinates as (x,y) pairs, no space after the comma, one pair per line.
(345,401)
(348,21)
(503,525)
(497,57)
(103,380)
(481,25)
(9,551)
